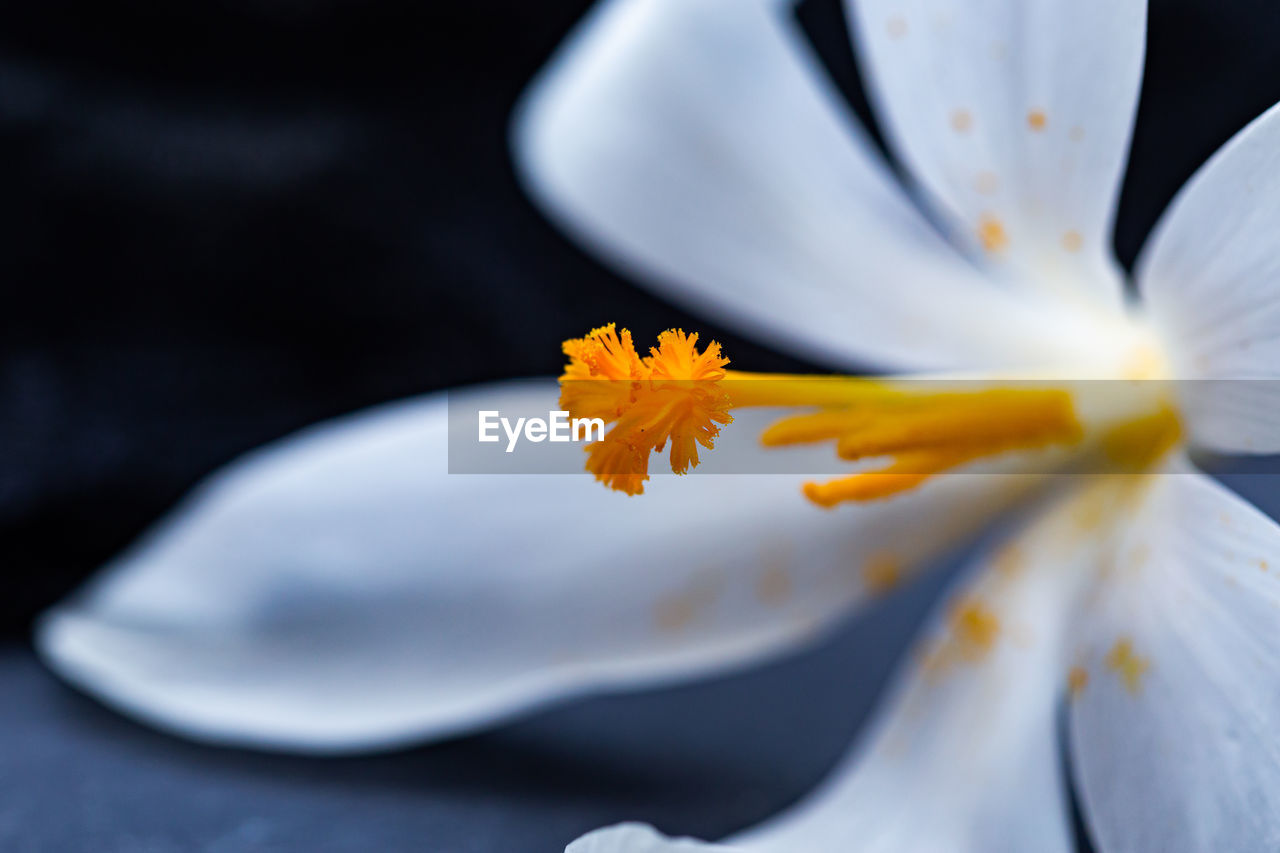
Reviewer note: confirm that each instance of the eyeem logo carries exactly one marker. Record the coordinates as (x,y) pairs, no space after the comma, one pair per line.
(558,427)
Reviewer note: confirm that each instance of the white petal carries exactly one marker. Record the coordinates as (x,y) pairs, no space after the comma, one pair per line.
(1173,739)
(964,756)
(341,590)
(636,838)
(1017,112)
(1209,275)
(699,144)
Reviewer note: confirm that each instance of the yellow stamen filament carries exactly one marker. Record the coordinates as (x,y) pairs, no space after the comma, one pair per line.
(815,427)
(790,390)
(1137,443)
(927,434)
(1023,418)
(907,472)
(892,411)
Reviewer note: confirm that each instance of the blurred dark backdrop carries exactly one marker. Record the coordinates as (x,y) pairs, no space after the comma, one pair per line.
(226,222)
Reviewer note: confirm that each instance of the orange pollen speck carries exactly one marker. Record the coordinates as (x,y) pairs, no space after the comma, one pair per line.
(1131,667)
(991,234)
(1077,680)
(896,27)
(881,573)
(975,629)
(961,121)
(774,586)
(1072,241)
(1037,120)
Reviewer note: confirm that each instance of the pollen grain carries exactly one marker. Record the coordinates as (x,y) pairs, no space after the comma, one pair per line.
(1127,664)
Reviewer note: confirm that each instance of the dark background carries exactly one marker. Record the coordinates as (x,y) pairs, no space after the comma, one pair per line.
(225,223)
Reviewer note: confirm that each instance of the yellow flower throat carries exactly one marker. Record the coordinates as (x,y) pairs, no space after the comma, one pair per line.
(681,397)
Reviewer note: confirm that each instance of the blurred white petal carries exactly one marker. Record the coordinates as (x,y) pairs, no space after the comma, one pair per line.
(1016,112)
(700,145)
(1173,738)
(340,590)
(1210,274)
(964,757)
(636,838)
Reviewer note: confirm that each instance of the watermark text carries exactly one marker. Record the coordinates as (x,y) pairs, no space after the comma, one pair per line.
(556,427)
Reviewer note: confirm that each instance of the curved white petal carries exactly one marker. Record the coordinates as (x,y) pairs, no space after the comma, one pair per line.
(1173,738)
(699,144)
(636,838)
(964,757)
(1210,276)
(1016,112)
(340,590)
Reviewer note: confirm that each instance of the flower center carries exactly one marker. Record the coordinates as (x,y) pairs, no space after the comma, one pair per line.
(901,431)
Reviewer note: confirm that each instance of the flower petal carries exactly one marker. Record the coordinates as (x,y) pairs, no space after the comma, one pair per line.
(636,838)
(1015,116)
(341,590)
(1209,275)
(964,756)
(699,144)
(1173,738)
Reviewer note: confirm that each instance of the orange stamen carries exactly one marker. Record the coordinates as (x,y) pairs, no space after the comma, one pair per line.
(672,395)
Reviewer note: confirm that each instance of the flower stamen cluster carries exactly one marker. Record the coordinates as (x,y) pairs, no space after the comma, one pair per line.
(672,396)
(902,432)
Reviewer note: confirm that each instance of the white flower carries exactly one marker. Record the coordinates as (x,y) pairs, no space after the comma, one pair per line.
(341,591)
